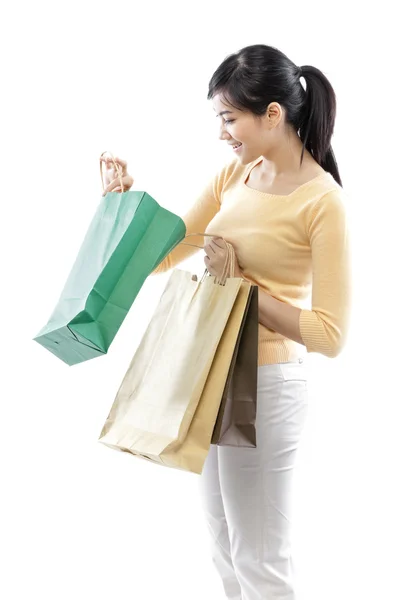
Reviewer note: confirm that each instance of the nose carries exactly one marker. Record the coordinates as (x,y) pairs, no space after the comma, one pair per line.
(223,134)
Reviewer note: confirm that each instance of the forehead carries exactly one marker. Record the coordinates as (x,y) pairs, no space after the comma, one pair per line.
(221,106)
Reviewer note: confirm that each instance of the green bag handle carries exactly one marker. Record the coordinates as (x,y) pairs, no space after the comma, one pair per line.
(117,168)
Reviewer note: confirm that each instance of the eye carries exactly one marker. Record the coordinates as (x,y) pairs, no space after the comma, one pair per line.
(229,121)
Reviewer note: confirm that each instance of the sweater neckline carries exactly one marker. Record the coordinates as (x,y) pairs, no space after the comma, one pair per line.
(281,196)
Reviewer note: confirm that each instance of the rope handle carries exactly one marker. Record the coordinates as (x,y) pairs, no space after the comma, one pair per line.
(229,266)
(117,169)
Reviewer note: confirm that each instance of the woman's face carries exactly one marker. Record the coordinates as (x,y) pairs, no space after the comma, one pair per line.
(248,136)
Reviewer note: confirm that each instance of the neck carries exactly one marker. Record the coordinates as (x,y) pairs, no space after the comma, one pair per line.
(284,158)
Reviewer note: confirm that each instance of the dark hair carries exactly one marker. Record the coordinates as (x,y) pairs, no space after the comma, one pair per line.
(257,75)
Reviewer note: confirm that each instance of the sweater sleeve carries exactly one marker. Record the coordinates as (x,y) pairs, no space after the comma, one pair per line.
(197,220)
(324,328)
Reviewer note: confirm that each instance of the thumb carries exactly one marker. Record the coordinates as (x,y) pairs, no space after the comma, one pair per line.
(114,183)
(127,183)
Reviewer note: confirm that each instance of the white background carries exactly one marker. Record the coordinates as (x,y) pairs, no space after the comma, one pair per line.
(79,520)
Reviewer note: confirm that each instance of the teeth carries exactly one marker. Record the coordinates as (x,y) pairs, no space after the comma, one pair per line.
(237,146)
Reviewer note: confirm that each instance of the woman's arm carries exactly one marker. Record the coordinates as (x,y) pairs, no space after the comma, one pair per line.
(324,328)
(280,317)
(196,220)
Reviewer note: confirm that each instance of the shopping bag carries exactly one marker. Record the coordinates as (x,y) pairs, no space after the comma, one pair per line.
(128,238)
(172,370)
(160,391)
(236,421)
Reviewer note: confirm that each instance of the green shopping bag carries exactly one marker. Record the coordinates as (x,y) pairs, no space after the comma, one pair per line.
(128,238)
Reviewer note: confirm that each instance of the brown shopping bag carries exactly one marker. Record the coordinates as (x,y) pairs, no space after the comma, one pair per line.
(236,421)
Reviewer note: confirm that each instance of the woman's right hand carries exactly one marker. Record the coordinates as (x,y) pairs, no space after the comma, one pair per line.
(112,181)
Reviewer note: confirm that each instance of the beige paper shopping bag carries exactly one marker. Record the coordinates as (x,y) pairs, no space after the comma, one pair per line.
(160,393)
(191,453)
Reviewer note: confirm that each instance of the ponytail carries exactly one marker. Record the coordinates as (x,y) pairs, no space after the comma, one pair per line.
(318,120)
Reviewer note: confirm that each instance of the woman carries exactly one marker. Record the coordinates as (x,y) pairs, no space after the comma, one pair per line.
(279,202)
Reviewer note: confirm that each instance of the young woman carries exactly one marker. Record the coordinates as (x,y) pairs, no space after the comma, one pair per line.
(280,203)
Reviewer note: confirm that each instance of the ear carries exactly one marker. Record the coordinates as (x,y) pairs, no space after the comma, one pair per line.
(274,114)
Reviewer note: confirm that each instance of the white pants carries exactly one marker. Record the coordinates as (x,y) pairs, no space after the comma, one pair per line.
(247,492)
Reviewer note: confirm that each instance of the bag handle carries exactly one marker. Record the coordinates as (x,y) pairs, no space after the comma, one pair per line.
(229,266)
(117,168)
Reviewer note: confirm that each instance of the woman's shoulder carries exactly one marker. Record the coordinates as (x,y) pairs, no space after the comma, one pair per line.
(323,185)
(326,202)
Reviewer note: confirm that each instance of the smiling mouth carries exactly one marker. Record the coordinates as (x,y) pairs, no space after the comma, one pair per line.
(236,146)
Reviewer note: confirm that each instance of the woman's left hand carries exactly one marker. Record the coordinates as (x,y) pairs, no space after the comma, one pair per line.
(216,256)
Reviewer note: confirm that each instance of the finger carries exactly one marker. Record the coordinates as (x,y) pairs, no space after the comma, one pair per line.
(209,248)
(113,174)
(121,162)
(209,266)
(215,248)
(219,242)
(115,165)
(107,160)
(111,186)
(127,183)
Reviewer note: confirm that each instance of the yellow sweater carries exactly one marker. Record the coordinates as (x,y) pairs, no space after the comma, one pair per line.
(288,246)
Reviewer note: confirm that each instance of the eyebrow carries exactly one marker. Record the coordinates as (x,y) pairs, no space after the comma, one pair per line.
(224,112)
